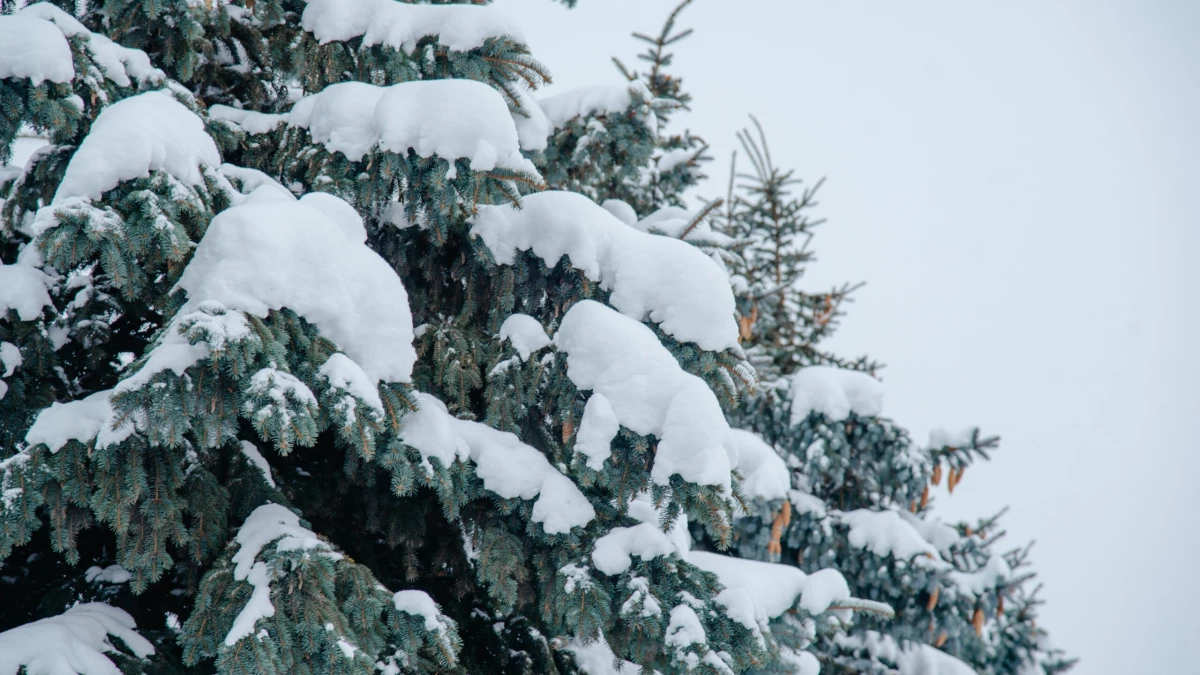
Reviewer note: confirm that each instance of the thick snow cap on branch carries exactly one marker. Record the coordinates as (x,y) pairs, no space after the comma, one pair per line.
(532,125)
(642,509)
(23,288)
(774,588)
(113,574)
(886,533)
(801,662)
(764,473)
(84,420)
(401,25)
(120,64)
(418,603)
(33,44)
(10,359)
(33,48)
(447,118)
(273,523)
(685,628)
(131,138)
(599,99)
(623,360)
(524,333)
(835,392)
(285,253)
(340,212)
(346,376)
(597,430)
(613,551)
(671,282)
(507,466)
(249,120)
(71,643)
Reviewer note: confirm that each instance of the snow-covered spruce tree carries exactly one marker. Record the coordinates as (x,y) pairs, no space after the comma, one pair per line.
(832,483)
(612,142)
(226,446)
(80,305)
(98,230)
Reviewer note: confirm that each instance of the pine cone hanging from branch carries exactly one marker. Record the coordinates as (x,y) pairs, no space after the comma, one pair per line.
(782,519)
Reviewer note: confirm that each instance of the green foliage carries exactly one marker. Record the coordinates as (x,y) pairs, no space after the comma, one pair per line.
(857,463)
(272,519)
(683,153)
(330,615)
(630,155)
(780,321)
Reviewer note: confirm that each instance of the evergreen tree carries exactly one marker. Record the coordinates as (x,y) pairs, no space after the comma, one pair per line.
(612,141)
(326,347)
(842,486)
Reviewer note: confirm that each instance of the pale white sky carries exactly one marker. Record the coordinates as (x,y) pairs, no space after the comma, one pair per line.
(1015,183)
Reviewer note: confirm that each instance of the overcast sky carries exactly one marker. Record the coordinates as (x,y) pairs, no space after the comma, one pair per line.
(1016,183)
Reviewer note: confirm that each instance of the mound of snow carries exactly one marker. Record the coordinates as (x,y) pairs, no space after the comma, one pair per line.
(622,359)
(597,658)
(33,44)
(33,48)
(671,282)
(113,574)
(775,588)
(84,420)
(597,430)
(507,466)
(249,120)
(131,138)
(613,552)
(599,99)
(447,118)
(400,25)
(886,533)
(764,473)
(674,222)
(120,64)
(23,288)
(834,392)
(266,255)
(418,603)
(73,642)
(532,125)
(524,333)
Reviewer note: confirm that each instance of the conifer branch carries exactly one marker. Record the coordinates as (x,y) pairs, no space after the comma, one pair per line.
(699,217)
